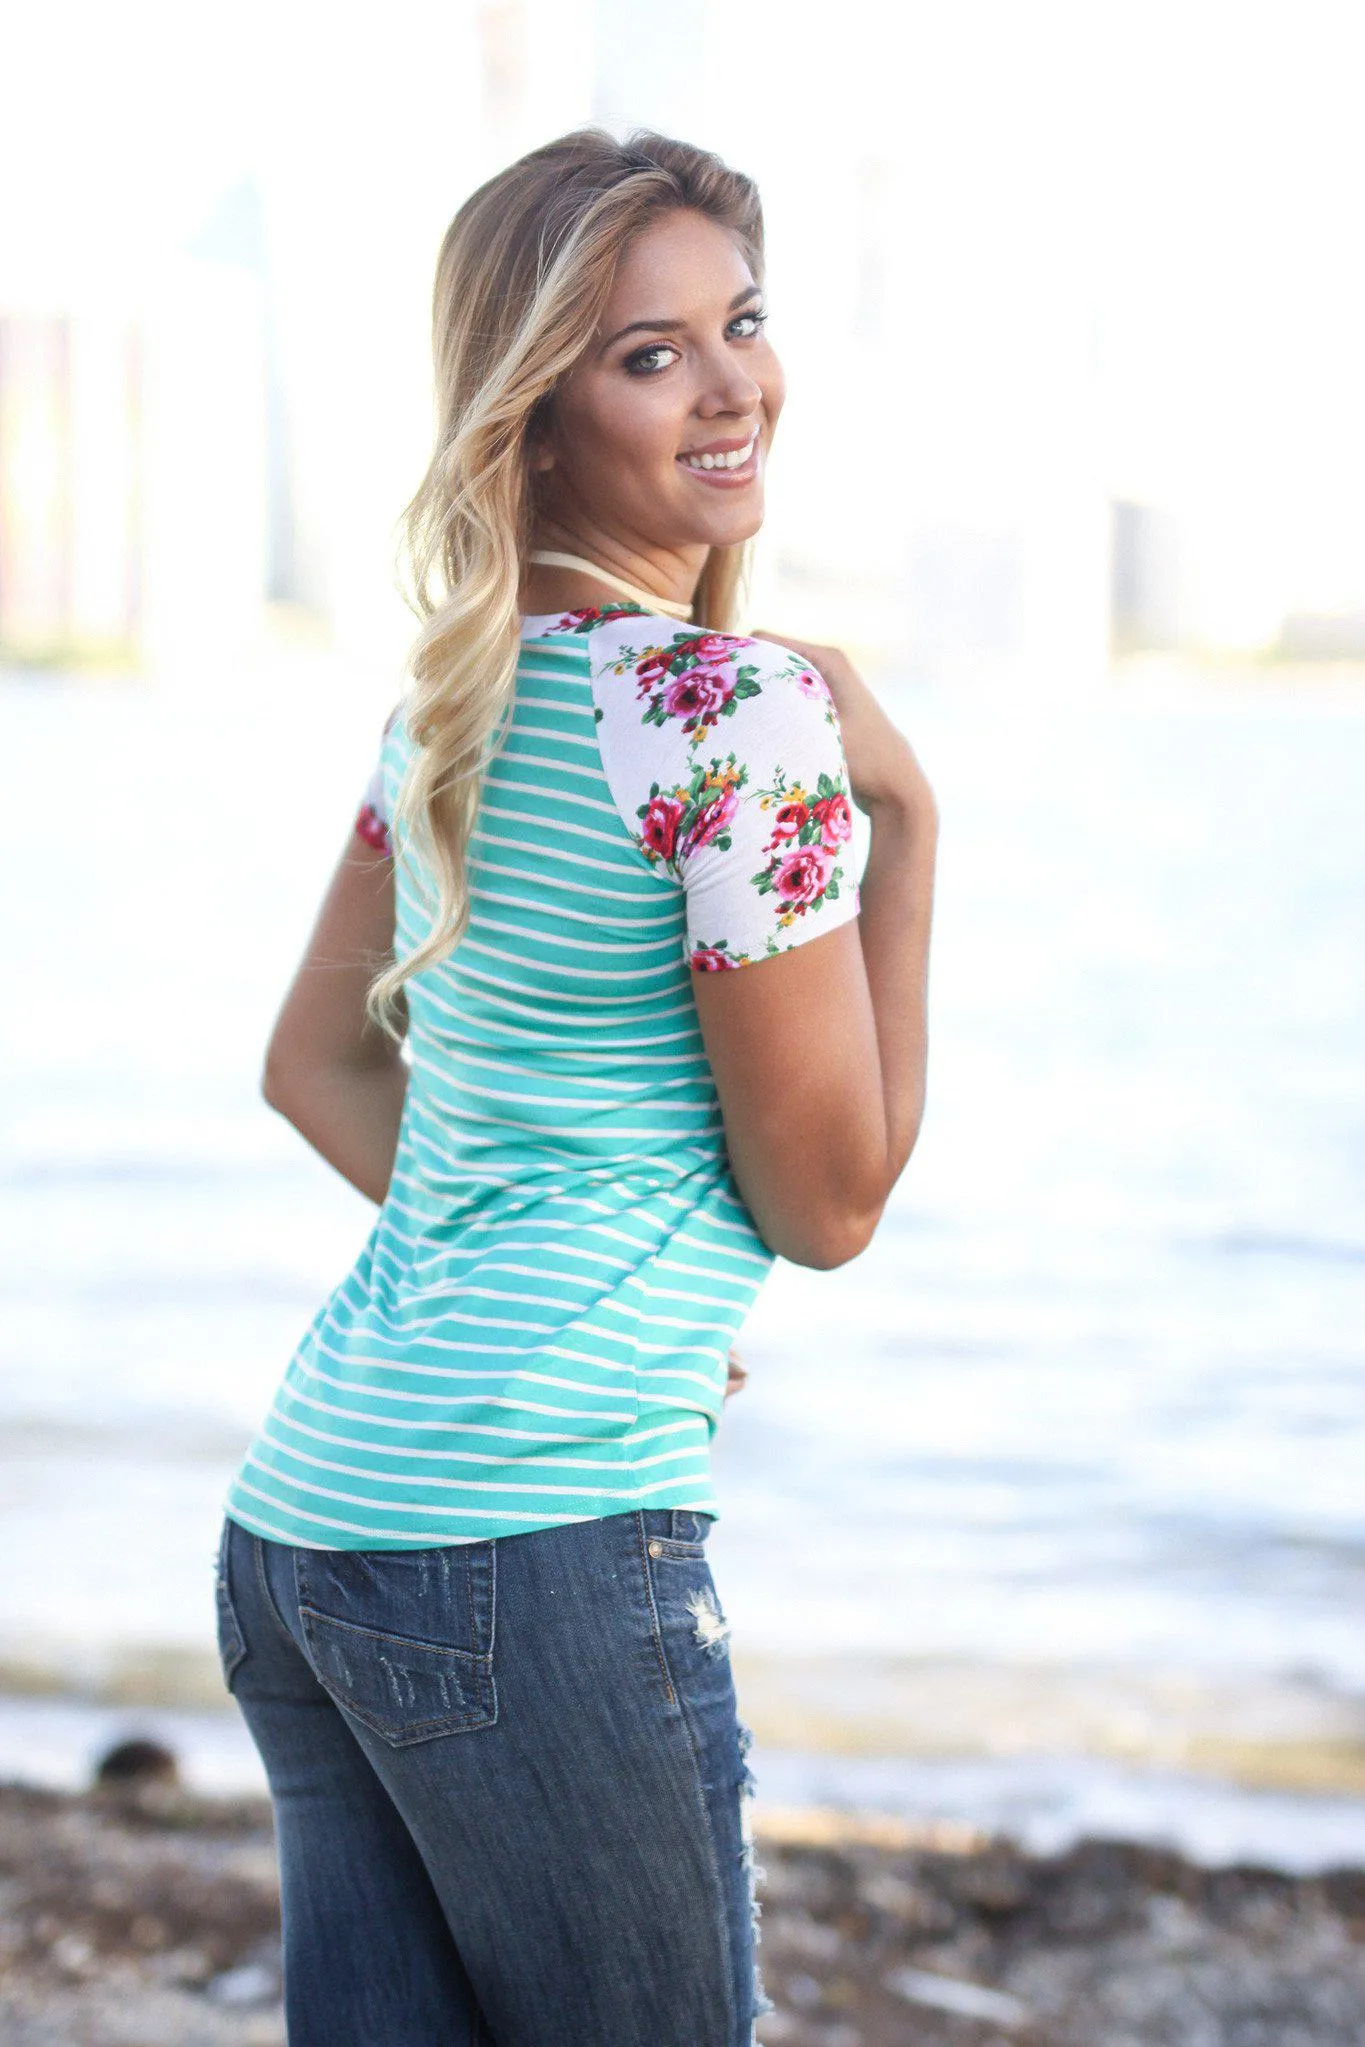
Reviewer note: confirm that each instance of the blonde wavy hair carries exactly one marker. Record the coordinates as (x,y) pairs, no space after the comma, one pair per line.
(521,284)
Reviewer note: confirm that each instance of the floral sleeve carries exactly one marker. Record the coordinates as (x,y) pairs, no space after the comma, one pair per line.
(731,758)
(374,819)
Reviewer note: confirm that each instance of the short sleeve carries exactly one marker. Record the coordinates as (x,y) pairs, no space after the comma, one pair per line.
(374,819)
(731,772)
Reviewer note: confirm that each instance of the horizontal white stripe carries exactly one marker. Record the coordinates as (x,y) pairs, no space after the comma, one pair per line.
(636,1312)
(705,1381)
(498,1400)
(647,1045)
(573,886)
(591,1103)
(567,941)
(307,1368)
(516,1126)
(594,917)
(376,1317)
(578,1080)
(406,1478)
(323,1492)
(595,973)
(590,773)
(548,848)
(483,982)
(372,1421)
(369,1528)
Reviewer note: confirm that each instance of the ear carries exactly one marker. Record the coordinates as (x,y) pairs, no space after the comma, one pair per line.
(540,454)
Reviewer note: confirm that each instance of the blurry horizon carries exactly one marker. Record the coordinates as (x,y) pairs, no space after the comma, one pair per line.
(1065,298)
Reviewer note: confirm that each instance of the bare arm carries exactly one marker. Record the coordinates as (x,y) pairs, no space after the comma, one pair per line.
(820,1055)
(328,1070)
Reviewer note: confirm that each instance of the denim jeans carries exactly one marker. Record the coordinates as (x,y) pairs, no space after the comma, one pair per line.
(509,1786)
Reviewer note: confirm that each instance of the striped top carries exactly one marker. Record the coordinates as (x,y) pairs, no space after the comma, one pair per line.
(537,1329)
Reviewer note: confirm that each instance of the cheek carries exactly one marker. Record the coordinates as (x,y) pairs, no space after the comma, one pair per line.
(773,384)
(617,443)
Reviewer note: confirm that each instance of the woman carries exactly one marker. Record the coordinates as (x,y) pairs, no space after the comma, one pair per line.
(463,1595)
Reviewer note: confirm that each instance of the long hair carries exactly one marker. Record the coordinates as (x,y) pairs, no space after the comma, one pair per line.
(522,281)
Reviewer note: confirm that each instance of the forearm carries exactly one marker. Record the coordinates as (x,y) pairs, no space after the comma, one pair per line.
(896,897)
(349,1114)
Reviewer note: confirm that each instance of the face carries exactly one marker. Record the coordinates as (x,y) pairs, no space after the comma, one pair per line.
(659,435)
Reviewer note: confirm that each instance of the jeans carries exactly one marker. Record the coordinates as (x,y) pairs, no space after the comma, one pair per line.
(509,1786)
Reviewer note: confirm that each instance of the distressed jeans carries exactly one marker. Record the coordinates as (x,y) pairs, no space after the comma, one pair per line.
(509,1786)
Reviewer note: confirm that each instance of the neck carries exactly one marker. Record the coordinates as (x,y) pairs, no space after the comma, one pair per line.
(605,566)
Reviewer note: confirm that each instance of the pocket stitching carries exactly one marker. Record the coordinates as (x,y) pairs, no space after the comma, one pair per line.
(399,1735)
(476,1665)
(332,1620)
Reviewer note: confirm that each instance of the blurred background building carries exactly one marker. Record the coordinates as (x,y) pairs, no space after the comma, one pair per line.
(1029,329)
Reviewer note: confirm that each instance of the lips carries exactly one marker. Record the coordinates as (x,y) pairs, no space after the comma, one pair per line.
(723,455)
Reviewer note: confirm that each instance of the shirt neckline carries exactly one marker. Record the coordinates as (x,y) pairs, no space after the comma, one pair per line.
(537,625)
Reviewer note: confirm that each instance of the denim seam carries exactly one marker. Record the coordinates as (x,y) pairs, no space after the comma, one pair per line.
(264,1582)
(713,1854)
(223,1595)
(653,1608)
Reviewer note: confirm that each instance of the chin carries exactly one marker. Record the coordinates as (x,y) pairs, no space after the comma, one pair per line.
(742,524)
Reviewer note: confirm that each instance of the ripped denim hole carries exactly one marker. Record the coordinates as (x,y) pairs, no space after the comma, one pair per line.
(712,1630)
(753,1869)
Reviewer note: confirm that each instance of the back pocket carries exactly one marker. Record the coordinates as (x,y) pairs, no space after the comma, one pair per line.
(403,1638)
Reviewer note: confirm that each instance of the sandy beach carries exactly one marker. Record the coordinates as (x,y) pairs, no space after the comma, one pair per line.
(149,1917)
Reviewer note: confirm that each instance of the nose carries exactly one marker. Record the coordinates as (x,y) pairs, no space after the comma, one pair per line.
(731,391)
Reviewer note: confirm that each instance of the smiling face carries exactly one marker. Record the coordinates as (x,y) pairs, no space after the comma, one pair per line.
(658,437)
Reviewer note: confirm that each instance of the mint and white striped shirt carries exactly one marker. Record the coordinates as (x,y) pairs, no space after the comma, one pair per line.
(537,1330)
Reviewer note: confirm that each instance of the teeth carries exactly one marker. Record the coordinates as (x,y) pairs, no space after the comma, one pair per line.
(736,458)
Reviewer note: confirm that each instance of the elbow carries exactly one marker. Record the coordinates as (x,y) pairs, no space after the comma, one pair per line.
(850,1242)
(832,1243)
(843,1233)
(277,1082)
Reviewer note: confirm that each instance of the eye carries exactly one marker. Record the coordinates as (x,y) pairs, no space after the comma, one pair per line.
(755,322)
(644,362)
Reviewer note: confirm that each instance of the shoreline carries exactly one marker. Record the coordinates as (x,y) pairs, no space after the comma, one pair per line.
(1045,1795)
(147,1916)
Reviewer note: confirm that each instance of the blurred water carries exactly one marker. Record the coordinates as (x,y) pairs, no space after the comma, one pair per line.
(1110,1330)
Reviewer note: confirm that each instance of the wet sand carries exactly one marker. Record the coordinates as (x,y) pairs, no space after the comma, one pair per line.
(149,1917)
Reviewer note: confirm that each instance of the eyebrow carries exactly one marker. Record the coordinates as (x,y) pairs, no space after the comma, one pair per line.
(671,326)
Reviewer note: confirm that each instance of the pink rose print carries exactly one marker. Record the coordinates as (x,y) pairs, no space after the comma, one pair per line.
(659,830)
(708,649)
(812,685)
(698,696)
(651,668)
(590,615)
(788,821)
(713,818)
(697,679)
(802,875)
(373,829)
(836,820)
(710,959)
